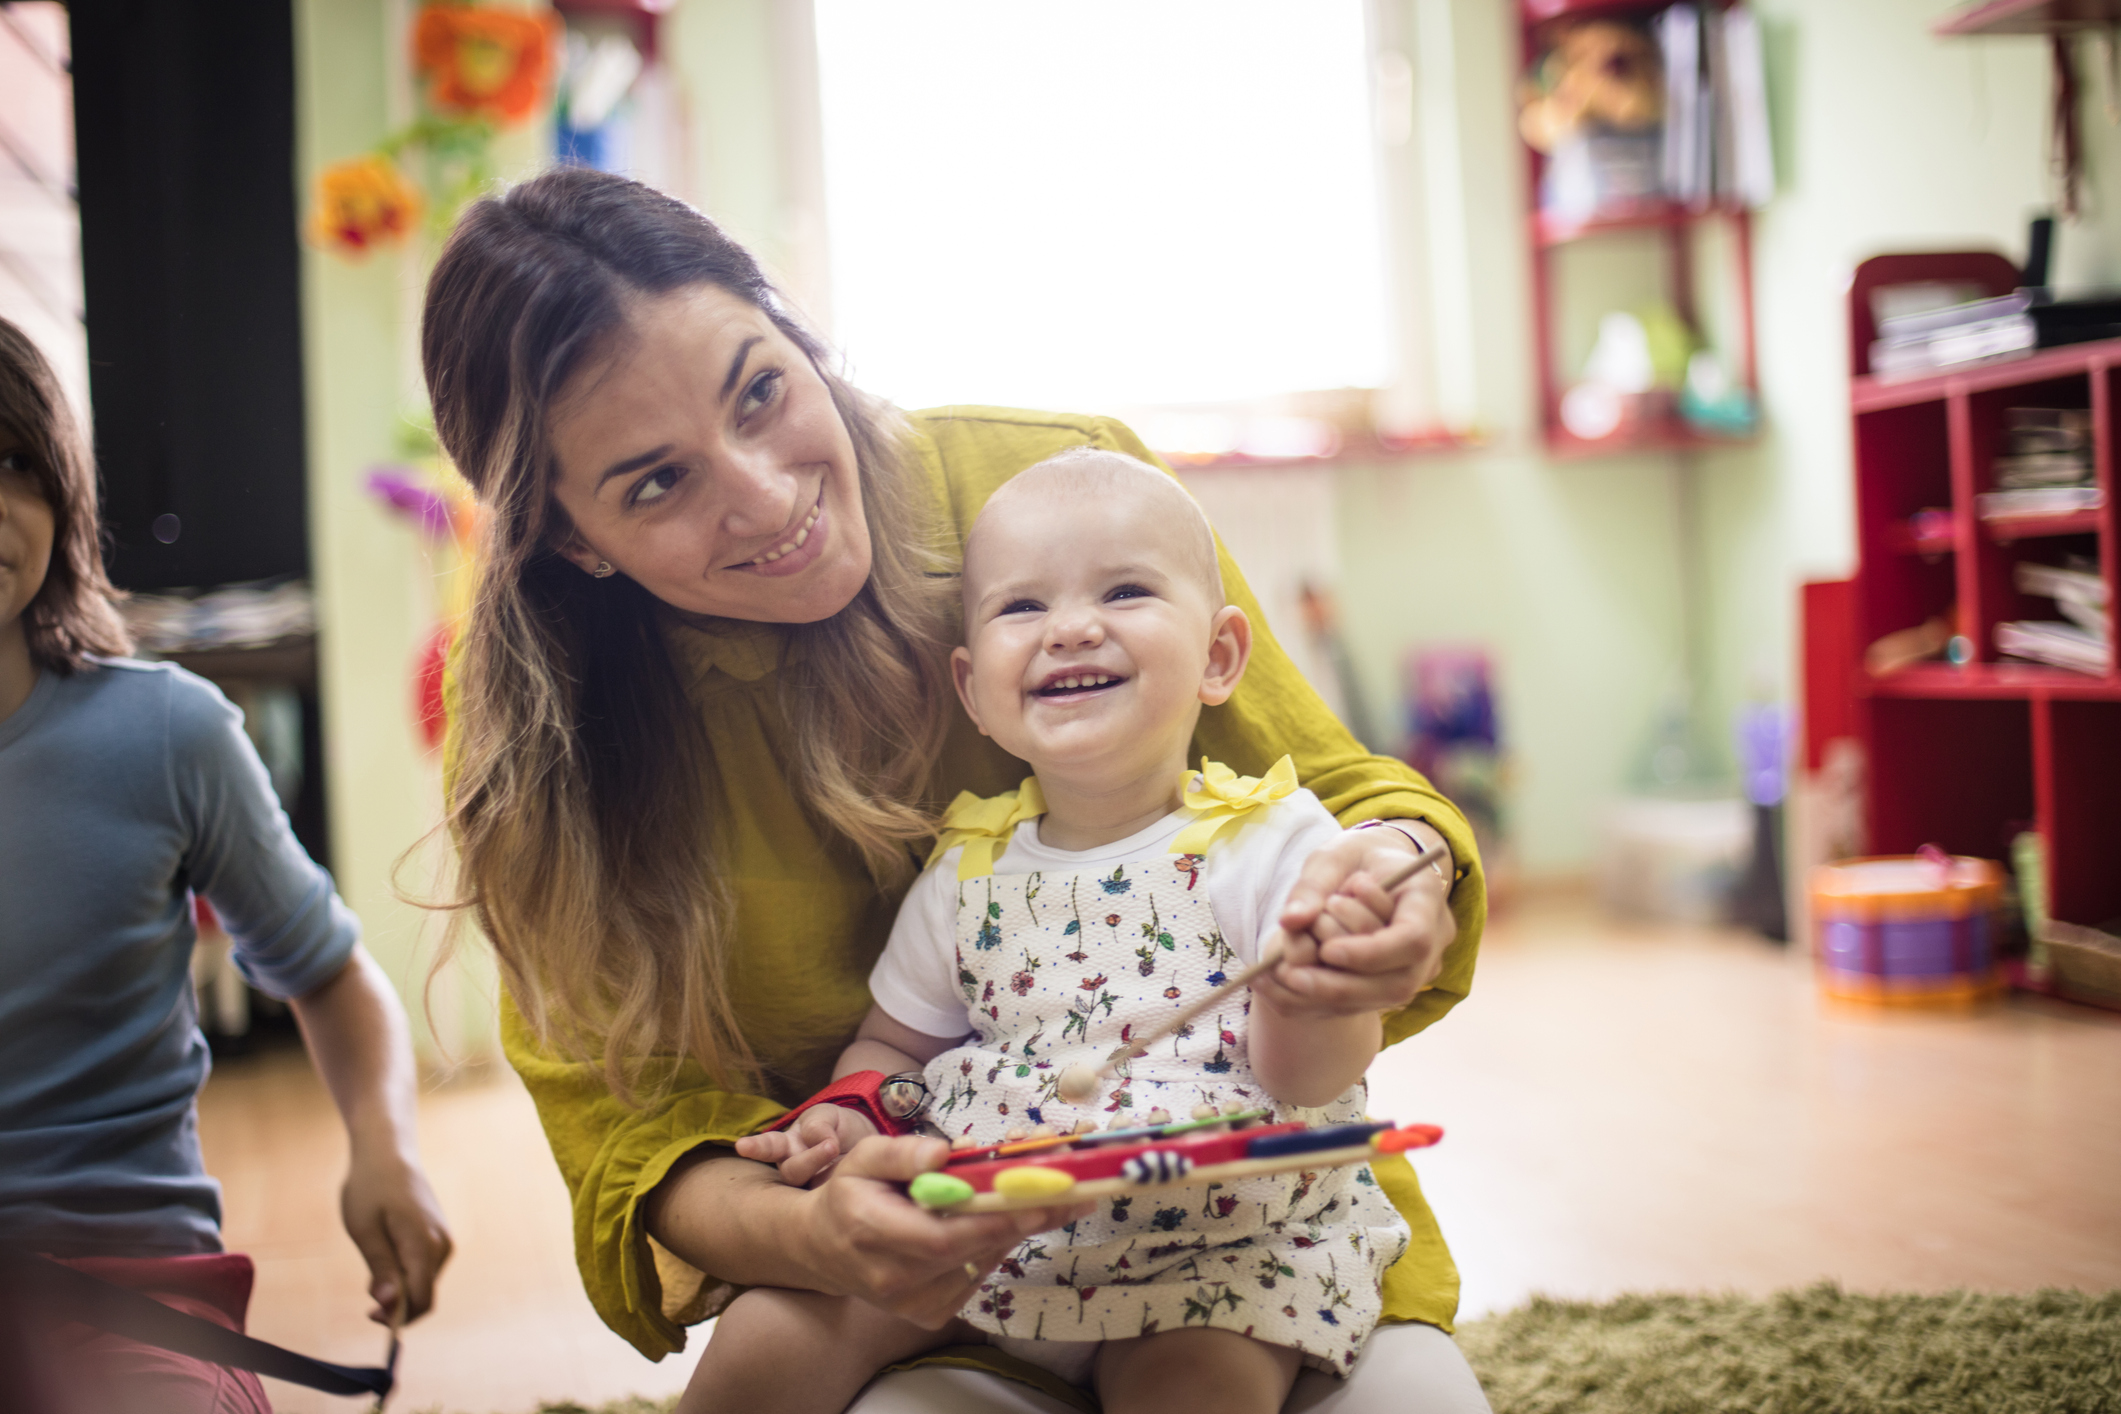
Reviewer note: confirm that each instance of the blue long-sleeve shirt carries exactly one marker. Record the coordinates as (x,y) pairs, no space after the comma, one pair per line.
(123,789)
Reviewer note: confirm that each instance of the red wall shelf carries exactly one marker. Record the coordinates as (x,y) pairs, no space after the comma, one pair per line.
(2029,17)
(1663,431)
(1967,756)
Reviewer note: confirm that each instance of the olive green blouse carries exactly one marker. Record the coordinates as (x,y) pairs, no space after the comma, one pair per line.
(811,924)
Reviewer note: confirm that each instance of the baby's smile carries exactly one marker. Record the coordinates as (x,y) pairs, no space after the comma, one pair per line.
(1075,684)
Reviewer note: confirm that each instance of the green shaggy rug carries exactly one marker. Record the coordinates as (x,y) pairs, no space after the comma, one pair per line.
(1816,1351)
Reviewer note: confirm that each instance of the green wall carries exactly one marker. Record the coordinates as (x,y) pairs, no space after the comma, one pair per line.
(1569,572)
(374,580)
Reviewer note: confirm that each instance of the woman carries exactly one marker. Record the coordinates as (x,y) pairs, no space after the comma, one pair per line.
(702,723)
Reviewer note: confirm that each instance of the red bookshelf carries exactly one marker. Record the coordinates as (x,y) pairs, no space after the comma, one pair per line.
(1674,223)
(2029,17)
(1967,756)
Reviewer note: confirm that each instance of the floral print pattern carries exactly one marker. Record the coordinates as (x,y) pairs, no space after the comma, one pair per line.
(1059,968)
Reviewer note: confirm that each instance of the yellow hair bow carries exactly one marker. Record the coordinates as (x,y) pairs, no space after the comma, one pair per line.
(983,826)
(1224,798)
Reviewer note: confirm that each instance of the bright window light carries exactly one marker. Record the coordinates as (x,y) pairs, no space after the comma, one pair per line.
(1104,203)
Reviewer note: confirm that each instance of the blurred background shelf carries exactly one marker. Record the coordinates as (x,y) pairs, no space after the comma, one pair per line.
(1969,755)
(2000,681)
(1550,230)
(2029,17)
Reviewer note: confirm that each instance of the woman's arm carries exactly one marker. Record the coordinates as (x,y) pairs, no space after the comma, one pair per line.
(356,1034)
(665,1170)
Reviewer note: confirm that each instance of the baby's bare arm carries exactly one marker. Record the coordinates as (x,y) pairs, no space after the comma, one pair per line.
(884,1043)
(1306,1044)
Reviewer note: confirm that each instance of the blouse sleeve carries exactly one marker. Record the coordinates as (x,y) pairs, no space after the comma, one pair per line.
(1276,712)
(612,1157)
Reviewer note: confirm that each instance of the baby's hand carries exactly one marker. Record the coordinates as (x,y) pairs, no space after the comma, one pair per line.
(806,1150)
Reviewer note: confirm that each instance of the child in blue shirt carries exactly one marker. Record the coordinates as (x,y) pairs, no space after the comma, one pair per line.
(126,787)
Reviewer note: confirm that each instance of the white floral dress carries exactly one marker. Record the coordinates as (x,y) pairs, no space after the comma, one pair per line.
(1053,965)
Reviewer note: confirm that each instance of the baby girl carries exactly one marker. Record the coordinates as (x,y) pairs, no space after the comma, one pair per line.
(1113,888)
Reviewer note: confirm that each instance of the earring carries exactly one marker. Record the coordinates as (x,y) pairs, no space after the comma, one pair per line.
(603,570)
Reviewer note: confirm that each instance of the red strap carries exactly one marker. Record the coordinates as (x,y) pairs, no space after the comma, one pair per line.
(858,1091)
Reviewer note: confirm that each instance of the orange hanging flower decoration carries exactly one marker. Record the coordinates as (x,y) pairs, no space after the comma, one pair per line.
(490,63)
(362,203)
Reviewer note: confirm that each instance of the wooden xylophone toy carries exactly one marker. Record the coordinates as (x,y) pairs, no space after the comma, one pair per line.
(1040,1170)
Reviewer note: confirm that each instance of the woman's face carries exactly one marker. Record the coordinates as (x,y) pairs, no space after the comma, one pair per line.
(703,457)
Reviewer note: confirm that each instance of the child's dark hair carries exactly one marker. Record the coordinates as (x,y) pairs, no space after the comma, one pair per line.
(75,613)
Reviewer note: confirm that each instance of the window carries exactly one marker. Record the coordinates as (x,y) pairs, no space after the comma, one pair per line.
(1102,204)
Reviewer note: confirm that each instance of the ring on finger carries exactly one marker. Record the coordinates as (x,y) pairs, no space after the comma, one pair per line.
(972,1273)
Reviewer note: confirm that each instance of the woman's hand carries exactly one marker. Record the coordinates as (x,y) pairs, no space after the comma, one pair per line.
(876,1244)
(856,1234)
(1352,947)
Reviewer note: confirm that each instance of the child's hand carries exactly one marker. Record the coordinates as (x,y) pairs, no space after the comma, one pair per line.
(1304,984)
(1379,951)
(391,1215)
(806,1150)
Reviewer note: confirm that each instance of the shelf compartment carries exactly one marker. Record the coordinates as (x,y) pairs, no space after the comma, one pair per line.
(1906,454)
(2077,770)
(1988,591)
(1954,773)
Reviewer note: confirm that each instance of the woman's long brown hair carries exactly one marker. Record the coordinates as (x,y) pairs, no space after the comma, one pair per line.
(581,787)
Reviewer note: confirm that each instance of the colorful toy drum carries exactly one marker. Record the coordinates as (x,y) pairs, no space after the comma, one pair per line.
(1907,930)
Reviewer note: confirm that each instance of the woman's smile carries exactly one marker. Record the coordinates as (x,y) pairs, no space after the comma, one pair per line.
(797,552)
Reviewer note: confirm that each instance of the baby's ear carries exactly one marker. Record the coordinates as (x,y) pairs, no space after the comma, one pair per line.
(1229,650)
(961,674)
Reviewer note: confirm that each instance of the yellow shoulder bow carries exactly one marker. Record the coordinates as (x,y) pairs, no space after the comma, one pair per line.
(1220,797)
(983,826)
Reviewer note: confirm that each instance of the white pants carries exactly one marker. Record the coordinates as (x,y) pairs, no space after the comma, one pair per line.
(1405,1369)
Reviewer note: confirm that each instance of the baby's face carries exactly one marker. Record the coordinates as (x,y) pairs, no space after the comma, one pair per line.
(1087,642)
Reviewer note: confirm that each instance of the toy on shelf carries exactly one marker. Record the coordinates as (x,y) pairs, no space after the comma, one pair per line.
(1907,930)
(1212,1147)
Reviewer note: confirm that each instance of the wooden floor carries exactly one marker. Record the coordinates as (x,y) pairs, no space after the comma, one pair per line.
(1627,1108)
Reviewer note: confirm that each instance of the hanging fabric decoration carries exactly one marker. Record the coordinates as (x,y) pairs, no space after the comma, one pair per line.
(485,63)
(362,203)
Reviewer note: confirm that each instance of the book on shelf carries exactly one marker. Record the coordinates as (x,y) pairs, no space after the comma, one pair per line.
(2079,593)
(1911,354)
(2060,645)
(2037,501)
(1922,323)
(2022,469)
(2047,429)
